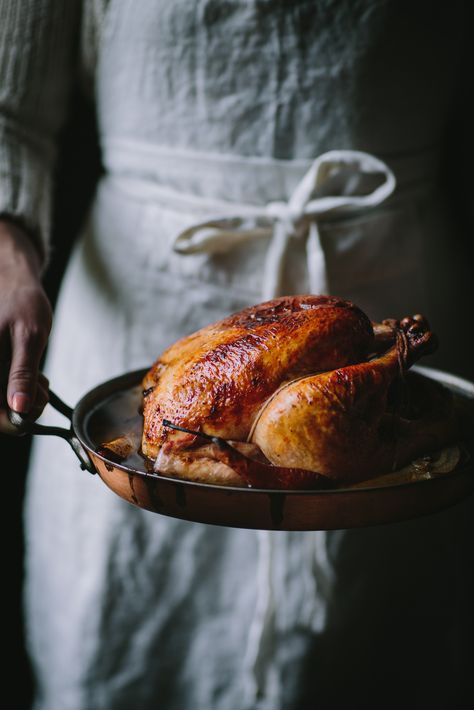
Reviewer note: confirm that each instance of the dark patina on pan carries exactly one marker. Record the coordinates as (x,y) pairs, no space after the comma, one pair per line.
(101,412)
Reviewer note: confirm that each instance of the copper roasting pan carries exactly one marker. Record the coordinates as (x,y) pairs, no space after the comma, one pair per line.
(105,411)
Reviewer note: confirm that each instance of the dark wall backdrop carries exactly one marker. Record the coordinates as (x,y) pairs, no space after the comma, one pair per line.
(78,169)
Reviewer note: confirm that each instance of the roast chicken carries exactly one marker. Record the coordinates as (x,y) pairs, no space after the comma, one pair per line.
(294,393)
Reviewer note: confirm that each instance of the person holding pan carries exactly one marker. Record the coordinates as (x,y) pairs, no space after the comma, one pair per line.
(209,112)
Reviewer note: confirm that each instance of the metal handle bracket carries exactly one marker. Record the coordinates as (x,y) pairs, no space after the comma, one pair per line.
(25,426)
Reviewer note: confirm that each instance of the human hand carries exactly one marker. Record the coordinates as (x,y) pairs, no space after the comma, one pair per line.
(25,322)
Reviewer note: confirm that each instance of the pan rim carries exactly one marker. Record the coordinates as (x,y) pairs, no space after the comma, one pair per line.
(460,385)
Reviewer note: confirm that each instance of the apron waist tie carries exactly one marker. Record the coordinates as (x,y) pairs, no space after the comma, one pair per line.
(334,185)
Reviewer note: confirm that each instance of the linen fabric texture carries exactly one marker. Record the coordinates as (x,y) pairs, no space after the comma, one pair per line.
(219,108)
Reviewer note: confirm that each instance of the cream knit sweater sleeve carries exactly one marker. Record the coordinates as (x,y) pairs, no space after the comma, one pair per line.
(38,40)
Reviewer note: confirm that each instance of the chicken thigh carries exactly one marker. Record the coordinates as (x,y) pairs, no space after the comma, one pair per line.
(361,420)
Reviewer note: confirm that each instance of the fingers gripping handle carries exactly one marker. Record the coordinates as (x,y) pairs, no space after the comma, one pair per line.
(24,426)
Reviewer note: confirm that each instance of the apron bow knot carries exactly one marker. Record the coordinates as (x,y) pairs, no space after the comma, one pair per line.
(337,183)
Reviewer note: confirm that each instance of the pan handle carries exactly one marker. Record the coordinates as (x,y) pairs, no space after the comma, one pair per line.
(24,426)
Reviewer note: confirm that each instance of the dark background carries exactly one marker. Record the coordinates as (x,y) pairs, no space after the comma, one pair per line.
(77,172)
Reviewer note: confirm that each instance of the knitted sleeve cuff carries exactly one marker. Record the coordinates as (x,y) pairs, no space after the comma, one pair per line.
(26,185)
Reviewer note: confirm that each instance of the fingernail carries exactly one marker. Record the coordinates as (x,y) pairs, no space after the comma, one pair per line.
(21,402)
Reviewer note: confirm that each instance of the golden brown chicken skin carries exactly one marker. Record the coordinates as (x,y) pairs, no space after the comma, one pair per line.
(315,390)
(358,421)
(217,379)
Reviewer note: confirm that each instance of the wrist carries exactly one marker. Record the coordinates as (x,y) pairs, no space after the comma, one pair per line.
(17,250)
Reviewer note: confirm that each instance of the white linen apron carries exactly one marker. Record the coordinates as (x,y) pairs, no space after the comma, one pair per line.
(128,609)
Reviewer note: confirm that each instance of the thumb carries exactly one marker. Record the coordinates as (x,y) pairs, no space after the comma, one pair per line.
(23,375)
